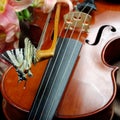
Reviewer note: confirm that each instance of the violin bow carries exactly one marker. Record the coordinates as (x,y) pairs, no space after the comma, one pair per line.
(23,58)
(43,54)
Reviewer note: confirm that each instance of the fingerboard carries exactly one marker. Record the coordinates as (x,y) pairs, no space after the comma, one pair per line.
(55,80)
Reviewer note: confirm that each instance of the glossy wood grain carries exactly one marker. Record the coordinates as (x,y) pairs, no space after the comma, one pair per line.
(92,86)
(92,83)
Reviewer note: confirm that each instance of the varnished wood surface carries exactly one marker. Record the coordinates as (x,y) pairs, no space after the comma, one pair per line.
(87,95)
(93,90)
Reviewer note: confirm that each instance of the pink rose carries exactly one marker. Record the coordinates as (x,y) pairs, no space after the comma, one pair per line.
(48,5)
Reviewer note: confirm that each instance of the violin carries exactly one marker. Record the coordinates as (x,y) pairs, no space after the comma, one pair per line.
(91,87)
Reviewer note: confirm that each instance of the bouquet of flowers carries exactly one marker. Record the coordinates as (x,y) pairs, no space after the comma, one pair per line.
(12,11)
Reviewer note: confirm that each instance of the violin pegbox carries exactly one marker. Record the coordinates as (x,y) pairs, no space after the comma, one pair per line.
(80,18)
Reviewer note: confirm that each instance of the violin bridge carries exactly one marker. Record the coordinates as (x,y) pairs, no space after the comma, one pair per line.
(77,20)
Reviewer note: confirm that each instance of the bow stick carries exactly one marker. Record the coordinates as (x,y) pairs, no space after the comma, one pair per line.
(23,58)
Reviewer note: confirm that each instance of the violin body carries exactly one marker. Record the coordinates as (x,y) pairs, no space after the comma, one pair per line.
(91,89)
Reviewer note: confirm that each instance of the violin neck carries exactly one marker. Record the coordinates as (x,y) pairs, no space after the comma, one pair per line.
(55,80)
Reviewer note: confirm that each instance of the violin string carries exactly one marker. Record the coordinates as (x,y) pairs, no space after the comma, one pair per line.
(57,72)
(39,45)
(61,78)
(37,94)
(64,72)
(81,27)
(75,23)
(42,84)
(54,80)
(84,22)
(48,80)
(67,64)
(43,78)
